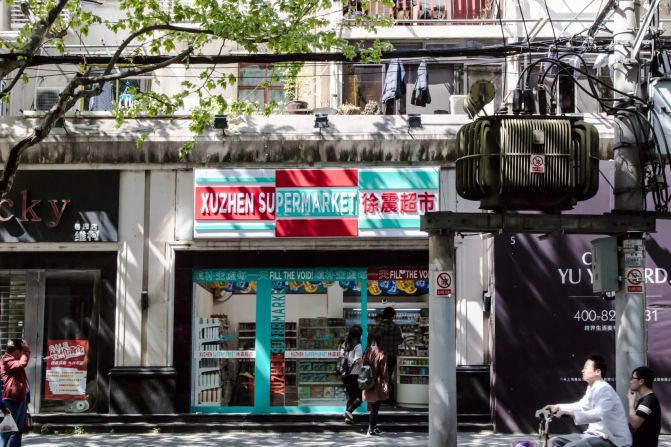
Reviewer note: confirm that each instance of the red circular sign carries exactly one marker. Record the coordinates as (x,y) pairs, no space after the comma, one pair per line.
(634,276)
(537,160)
(443,280)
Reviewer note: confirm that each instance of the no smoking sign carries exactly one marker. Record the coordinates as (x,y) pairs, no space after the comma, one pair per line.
(538,163)
(444,283)
(634,278)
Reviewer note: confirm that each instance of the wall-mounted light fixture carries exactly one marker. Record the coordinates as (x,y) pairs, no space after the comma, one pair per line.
(414,121)
(321,120)
(221,122)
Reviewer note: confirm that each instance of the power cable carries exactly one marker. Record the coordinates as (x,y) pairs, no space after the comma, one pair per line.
(524,22)
(552,26)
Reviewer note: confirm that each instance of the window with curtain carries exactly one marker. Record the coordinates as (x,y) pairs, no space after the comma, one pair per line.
(256,84)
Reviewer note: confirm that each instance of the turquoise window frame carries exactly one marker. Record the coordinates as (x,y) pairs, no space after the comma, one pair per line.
(263,312)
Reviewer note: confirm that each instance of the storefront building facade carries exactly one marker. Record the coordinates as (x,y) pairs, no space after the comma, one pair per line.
(224,283)
(178,294)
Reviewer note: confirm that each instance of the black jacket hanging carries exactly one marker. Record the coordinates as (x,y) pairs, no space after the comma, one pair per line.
(420,95)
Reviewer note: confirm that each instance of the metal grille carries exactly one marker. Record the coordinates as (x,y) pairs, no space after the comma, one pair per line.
(12,305)
(517,148)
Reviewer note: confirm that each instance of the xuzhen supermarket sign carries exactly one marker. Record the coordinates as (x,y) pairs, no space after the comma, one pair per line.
(313,202)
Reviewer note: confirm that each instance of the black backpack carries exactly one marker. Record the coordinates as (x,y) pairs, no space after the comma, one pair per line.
(366,378)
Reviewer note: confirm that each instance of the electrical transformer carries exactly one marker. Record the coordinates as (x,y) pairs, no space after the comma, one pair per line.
(512,162)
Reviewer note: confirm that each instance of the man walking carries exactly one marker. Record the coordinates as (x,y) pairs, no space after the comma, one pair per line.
(645,415)
(391,337)
(15,387)
(600,407)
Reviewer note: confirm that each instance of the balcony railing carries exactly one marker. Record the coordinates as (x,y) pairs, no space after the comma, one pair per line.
(428,12)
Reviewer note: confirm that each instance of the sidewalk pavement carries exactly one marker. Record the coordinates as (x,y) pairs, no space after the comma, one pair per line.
(260,439)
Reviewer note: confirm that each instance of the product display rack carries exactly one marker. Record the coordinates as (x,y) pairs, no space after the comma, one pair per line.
(412,381)
(318,383)
(211,336)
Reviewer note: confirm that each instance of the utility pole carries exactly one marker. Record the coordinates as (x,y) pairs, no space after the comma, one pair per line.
(442,342)
(631,341)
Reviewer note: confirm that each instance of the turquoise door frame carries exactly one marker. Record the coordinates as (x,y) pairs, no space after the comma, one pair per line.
(264,279)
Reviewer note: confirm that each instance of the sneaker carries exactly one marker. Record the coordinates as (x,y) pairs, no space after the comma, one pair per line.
(349,417)
(374,433)
(377,431)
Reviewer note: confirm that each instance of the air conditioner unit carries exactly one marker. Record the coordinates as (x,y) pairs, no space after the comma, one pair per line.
(46,97)
(457,105)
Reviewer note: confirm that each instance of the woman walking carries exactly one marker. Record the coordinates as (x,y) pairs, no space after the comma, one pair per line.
(376,359)
(351,348)
(15,387)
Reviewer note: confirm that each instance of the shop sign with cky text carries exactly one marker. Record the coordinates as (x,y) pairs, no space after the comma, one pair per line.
(313,202)
(61,206)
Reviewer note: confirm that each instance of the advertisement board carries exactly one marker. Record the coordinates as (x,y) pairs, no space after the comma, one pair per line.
(548,320)
(65,374)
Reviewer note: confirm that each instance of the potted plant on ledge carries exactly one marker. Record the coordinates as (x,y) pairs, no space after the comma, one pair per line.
(292,84)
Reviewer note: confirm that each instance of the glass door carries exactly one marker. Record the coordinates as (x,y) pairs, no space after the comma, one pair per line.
(56,312)
(69,343)
(224,343)
(276,339)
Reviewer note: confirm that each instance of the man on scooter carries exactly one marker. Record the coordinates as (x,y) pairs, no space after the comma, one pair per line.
(600,407)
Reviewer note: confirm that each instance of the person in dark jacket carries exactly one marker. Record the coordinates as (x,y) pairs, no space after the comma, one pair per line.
(375,357)
(645,414)
(15,387)
(390,337)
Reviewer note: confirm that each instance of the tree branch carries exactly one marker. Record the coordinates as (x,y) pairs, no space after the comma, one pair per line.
(67,98)
(11,85)
(146,30)
(72,93)
(145,69)
(39,32)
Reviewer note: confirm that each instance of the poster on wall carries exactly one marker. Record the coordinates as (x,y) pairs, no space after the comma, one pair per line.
(548,319)
(66,363)
(313,202)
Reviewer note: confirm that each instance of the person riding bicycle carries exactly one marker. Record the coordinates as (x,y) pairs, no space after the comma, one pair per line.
(600,407)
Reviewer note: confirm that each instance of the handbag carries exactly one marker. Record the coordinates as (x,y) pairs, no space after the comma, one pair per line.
(28,425)
(342,365)
(8,424)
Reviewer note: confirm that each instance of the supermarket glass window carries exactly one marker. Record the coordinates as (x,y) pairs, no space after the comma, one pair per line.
(258,83)
(406,291)
(224,343)
(317,322)
(270,338)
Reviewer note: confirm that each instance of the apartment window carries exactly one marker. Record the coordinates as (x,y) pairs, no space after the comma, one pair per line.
(121,91)
(256,84)
(363,83)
